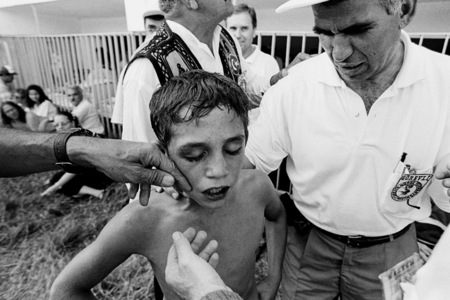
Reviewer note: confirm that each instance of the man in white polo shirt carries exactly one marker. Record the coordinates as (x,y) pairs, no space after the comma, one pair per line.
(242,24)
(365,128)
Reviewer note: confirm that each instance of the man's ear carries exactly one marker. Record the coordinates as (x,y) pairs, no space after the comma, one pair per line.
(407,12)
(191,4)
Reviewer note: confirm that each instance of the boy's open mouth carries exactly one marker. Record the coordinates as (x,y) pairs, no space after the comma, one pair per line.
(216,193)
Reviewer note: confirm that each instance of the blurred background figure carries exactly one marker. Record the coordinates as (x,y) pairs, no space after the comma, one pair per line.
(92,182)
(21,98)
(84,110)
(243,24)
(6,87)
(153,18)
(41,111)
(42,105)
(13,116)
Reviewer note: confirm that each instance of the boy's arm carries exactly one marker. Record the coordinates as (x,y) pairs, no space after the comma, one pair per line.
(115,244)
(276,232)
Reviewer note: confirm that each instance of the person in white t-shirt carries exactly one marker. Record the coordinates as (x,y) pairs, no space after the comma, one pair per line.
(84,110)
(243,23)
(365,129)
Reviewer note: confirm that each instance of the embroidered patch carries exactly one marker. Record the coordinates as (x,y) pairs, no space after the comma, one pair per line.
(234,63)
(409,185)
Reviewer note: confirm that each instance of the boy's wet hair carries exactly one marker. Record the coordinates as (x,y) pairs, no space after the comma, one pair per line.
(200,92)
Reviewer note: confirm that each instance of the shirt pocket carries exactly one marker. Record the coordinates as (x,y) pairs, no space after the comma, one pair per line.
(403,191)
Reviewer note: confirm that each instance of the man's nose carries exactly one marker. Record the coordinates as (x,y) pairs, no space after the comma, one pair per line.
(341,48)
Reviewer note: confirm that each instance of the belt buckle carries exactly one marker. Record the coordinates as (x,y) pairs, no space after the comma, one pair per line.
(352,240)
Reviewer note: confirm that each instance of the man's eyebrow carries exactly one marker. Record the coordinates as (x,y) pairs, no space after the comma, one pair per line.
(355,28)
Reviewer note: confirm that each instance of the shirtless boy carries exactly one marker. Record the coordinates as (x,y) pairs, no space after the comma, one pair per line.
(201,121)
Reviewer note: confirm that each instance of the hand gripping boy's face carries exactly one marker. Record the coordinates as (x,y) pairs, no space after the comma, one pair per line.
(210,154)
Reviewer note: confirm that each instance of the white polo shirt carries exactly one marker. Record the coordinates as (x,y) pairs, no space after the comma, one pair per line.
(262,63)
(136,89)
(340,159)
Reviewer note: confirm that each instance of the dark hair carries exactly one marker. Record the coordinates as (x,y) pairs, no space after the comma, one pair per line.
(250,10)
(201,92)
(7,120)
(70,117)
(155,17)
(40,91)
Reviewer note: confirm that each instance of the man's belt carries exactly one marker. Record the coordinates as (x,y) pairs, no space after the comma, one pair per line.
(360,241)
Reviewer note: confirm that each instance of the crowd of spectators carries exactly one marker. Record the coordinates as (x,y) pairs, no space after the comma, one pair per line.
(31,109)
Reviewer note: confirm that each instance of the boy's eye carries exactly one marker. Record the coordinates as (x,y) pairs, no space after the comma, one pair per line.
(194,158)
(234,152)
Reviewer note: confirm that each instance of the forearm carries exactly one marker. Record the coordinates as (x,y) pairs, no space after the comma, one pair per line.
(25,153)
(276,235)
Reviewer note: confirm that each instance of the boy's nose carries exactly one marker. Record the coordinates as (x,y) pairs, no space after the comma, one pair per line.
(217,167)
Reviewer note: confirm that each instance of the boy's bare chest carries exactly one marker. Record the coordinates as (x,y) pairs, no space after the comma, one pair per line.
(238,232)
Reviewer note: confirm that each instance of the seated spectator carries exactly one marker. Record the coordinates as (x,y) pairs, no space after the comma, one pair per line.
(13,116)
(84,110)
(91,183)
(42,108)
(20,97)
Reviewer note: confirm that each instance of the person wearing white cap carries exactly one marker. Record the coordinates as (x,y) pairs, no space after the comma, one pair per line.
(365,128)
(6,78)
(153,19)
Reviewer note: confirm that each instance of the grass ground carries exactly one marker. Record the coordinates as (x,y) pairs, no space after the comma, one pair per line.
(35,244)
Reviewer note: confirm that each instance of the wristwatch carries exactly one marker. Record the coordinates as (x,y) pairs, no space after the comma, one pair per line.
(59,147)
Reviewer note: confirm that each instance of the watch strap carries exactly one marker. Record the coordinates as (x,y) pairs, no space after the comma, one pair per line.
(60,150)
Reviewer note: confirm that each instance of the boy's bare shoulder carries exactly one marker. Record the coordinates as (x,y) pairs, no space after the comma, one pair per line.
(255,181)
(138,216)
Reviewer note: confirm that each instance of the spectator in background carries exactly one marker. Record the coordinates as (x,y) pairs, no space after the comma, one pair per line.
(13,116)
(41,111)
(153,20)
(84,110)
(91,182)
(6,78)
(42,106)
(243,25)
(21,98)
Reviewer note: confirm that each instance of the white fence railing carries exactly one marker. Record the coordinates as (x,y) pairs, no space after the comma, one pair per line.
(94,61)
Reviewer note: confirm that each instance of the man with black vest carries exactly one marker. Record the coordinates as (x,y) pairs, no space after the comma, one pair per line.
(191,39)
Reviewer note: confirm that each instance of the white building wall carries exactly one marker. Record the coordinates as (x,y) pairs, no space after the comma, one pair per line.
(430,17)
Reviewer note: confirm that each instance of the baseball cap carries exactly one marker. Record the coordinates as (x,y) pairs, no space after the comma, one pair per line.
(291,4)
(151,13)
(152,9)
(7,70)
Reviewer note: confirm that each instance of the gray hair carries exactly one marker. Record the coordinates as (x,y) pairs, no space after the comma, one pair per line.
(391,6)
(77,90)
(166,6)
